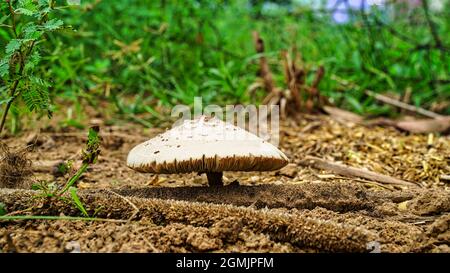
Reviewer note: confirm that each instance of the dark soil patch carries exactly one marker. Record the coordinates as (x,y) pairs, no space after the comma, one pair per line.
(279,226)
(341,197)
(182,226)
(62,236)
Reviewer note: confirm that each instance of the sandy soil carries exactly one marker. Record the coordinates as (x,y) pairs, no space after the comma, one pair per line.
(296,209)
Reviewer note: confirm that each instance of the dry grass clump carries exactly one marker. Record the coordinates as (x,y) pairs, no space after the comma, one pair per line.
(15,168)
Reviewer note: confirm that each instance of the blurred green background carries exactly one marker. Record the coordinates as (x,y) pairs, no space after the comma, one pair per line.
(141,55)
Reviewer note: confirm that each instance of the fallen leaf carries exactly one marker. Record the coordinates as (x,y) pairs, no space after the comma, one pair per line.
(437,125)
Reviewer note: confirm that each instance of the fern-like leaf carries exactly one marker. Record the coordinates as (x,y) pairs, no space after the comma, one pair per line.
(26,7)
(36,98)
(33,61)
(24,11)
(53,24)
(31,31)
(13,46)
(4,67)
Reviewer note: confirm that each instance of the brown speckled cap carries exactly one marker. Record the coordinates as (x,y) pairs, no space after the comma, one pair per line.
(205,145)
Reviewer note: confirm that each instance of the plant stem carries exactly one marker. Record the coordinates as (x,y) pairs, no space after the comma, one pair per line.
(13,89)
(49,217)
(13,18)
(8,105)
(16,82)
(431,24)
(22,56)
(74,178)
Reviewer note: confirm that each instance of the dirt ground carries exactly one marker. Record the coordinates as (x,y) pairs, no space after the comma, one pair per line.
(296,209)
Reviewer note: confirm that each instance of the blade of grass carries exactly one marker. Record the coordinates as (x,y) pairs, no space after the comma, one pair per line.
(2,209)
(76,200)
(74,178)
(64,218)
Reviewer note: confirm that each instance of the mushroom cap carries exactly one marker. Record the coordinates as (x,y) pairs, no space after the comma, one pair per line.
(205,145)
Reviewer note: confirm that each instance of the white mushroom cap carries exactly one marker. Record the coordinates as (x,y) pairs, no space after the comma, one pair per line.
(205,145)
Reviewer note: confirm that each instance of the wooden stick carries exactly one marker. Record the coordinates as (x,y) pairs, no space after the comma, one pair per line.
(389,100)
(345,170)
(402,105)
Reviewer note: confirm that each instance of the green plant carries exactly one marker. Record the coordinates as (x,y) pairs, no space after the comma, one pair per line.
(2,209)
(27,22)
(159,53)
(77,201)
(89,156)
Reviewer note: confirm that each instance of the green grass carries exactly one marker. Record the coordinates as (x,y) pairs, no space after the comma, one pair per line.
(50,190)
(166,52)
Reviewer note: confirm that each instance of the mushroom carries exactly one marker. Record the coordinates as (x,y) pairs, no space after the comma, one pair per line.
(205,145)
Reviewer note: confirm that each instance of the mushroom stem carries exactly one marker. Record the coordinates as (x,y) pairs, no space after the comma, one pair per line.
(214,179)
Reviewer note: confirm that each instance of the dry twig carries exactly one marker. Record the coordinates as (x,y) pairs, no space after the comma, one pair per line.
(345,170)
(402,105)
(136,209)
(388,100)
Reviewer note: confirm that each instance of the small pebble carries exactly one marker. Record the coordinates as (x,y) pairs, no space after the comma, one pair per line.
(73,247)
